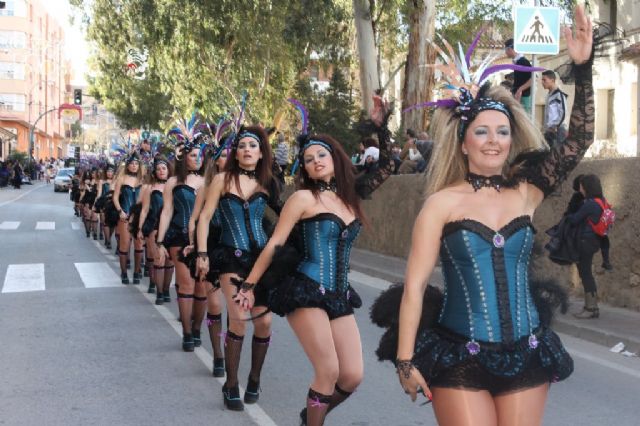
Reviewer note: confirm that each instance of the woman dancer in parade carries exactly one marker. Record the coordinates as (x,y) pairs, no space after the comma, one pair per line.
(104,193)
(214,302)
(173,234)
(241,193)
(90,218)
(488,356)
(125,195)
(317,298)
(152,201)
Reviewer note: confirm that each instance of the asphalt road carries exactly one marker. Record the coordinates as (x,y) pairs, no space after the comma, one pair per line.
(78,348)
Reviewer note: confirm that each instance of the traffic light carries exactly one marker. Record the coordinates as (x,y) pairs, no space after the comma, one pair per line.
(77,96)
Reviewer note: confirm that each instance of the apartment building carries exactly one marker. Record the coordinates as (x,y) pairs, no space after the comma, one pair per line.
(33,79)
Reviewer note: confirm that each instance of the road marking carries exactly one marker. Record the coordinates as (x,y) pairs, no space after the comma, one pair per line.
(21,195)
(75,226)
(21,278)
(45,226)
(255,412)
(9,226)
(97,274)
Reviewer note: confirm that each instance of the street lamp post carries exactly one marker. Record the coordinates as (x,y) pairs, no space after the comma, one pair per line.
(32,130)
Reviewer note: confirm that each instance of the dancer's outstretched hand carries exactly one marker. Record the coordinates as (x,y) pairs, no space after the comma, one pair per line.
(380,110)
(413,383)
(580,38)
(202,267)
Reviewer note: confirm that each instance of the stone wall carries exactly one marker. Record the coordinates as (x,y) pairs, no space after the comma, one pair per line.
(395,205)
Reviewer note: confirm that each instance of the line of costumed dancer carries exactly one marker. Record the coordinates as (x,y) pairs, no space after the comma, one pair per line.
(482,349)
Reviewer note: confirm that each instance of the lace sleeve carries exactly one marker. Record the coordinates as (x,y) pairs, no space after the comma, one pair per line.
(549,170)
(370,181)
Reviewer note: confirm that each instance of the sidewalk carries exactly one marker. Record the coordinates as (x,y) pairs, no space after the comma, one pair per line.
(614,325)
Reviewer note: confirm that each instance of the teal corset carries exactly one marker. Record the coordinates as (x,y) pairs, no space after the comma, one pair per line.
(487,296)
(241,221)
(327,243)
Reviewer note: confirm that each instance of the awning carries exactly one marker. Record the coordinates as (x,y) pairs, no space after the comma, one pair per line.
(6,135)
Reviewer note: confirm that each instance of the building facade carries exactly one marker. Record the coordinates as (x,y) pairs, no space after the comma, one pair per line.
(34,77)
(616,76)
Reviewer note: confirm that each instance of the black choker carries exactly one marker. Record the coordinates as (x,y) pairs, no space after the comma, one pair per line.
(496,182)
(323,186)
(251,174)
(161,181)
(194,172)
(132,174)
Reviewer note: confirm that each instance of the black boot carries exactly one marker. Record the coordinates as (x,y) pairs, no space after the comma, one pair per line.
(231,398)
(124,278)
(259,347)
(187,343)
(152,287)
(159,298)
(230,390)
(137,276)
(218,367)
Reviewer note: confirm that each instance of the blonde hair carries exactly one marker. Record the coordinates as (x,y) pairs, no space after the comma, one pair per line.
(448,165)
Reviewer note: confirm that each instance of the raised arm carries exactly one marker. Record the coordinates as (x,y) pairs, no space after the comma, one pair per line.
(369,182)
(548,172)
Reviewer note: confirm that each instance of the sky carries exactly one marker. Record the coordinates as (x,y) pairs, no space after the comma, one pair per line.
(74,39)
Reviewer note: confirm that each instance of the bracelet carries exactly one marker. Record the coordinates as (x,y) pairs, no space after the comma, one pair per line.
(159,243)
(245,286)
(404,367)
(203,254)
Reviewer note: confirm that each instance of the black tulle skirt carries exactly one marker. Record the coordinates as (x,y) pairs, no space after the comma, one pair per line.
(176,237)
(299,291)
(443,359)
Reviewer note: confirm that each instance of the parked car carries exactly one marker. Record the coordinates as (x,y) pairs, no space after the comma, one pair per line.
(62,181)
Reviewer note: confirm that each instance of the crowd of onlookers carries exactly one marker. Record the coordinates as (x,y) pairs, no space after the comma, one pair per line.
(14,173)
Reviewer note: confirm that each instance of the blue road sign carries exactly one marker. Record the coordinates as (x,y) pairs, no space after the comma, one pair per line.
(537,30)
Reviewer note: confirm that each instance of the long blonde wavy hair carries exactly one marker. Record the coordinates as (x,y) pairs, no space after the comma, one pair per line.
(448,165)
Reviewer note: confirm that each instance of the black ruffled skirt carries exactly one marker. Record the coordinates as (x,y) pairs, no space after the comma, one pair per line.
(299,291)
(176,237)
(111,215)
(444,360)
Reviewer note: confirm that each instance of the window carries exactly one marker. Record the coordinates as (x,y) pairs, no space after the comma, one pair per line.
(610,113)
(11,71)
(12,40)
(14,8)
(12,102)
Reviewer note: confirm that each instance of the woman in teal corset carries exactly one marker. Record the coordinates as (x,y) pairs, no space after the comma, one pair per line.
(488,358)
(316,297)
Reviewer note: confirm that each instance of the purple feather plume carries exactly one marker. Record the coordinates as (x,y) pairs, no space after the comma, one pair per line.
(446,103)
(304,115)
(476,40)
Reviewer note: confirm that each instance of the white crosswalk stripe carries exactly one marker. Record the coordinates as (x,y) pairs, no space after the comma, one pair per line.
(21,278)
(97,274)
(8,225)
(45,226)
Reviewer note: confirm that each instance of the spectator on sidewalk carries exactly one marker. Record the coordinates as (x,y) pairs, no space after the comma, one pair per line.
(554,129)
(576,201)
(410,155)
(17,175)
(522,80)
(588,213)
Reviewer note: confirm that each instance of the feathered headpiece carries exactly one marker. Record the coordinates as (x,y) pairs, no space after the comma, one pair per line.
(463,81)
(188,134)
(303,140)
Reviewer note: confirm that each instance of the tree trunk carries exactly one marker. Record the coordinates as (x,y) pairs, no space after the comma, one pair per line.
(369,81)
(418,81)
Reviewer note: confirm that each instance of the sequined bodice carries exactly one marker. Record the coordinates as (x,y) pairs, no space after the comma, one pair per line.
(184,198)
(128,197)
(241,221)
(487,295)
(327,243)
(155,204)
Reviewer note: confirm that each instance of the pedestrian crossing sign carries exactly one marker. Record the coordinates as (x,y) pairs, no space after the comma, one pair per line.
(537,30)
